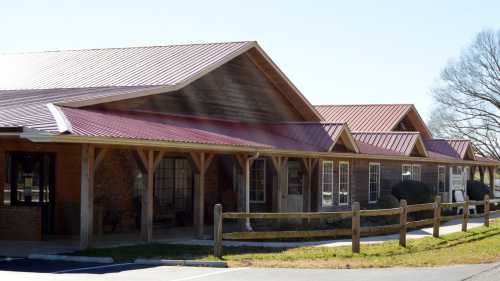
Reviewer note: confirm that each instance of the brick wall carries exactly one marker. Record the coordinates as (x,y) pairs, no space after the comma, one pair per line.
(20,223)
(116,200)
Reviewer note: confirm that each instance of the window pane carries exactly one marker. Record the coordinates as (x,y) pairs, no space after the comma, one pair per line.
(257,181)
(416,173)
(327,183)
(343,183)
(374,182)
(441,179)
(406,172)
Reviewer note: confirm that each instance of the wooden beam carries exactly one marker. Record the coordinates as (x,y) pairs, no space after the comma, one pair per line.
(196,159)
(147,200)
(208,161)
(241,160)
(280,164)
(100,156)
(492,173)
(142,156)
(158,158)
(202,161)
(277,162)
(86,195)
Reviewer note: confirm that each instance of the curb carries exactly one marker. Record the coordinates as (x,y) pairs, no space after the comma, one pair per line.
(219,264)
(70,258)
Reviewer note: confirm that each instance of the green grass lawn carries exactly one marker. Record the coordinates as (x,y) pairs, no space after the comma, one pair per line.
(478,245)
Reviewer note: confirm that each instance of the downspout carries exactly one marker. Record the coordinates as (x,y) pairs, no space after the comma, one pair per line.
(248,226)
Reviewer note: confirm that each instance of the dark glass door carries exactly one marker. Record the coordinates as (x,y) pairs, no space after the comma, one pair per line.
(32,184)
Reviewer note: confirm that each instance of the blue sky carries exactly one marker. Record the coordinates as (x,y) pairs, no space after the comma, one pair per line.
(334,51)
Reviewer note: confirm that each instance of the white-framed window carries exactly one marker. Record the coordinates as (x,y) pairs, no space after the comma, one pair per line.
(411,172)
(327,183)
(258,181)
(343,183)
(441,184)
(373,182)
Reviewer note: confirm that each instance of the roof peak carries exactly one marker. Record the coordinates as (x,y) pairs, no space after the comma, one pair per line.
(127,48)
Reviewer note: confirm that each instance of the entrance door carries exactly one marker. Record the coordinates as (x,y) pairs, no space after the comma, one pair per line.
(458,180)
(173,191)
(295,197)
(32,184)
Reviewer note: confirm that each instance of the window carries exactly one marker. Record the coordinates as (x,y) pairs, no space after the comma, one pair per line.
(173,186)
(343,183)
(327,183)
(373,182)
(442,179)
(411,172)
(258,181)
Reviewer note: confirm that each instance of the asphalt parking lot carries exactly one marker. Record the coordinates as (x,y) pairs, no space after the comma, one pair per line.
(43,266)
(25,269)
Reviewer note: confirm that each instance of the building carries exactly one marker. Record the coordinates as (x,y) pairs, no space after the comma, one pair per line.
(135,139)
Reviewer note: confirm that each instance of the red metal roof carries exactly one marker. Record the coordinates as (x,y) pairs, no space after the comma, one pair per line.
(365,117)
(28,108)
(454,148)
(139,66)
(165,127)
(387,143)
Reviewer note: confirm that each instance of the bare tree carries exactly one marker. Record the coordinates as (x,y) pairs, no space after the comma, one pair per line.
(468,96)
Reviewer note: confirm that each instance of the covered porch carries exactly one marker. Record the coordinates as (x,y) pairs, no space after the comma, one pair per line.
(176,190)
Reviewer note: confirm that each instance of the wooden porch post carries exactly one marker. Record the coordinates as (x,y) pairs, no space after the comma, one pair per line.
(150,161)
(246,162)
(309,164)
(472,172)
(492,179)
(202,161)
(86,196)
(280,165)
(481,174)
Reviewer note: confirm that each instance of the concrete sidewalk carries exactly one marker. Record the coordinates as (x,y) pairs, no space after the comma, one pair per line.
(446,228)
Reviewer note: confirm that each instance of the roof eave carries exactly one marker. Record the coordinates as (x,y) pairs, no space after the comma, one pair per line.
(43,137)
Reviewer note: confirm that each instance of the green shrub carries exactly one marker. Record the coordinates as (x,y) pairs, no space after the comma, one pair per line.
(414,192)
(476,190)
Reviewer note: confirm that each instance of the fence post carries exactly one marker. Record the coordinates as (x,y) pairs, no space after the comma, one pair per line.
(356,225)
(437,216)
(486,210)
(402,222)
(218,230)
(466,214)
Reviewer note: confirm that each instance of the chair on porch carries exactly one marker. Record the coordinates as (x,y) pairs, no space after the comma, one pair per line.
(459,197)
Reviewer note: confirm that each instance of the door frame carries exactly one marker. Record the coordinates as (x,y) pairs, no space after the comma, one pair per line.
(47,208)
(300,168)
(464,176)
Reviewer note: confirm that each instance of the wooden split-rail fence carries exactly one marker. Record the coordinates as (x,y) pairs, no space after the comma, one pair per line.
(355,214)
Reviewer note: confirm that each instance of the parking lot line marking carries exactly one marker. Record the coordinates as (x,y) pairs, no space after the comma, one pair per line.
(92,267)
(211,273)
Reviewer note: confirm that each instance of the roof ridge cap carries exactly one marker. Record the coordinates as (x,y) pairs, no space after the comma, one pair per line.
(124,48)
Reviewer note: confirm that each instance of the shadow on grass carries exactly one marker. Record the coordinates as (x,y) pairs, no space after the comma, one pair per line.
(192,252)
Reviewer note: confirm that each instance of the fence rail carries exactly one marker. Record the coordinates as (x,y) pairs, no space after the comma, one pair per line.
(356,231)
